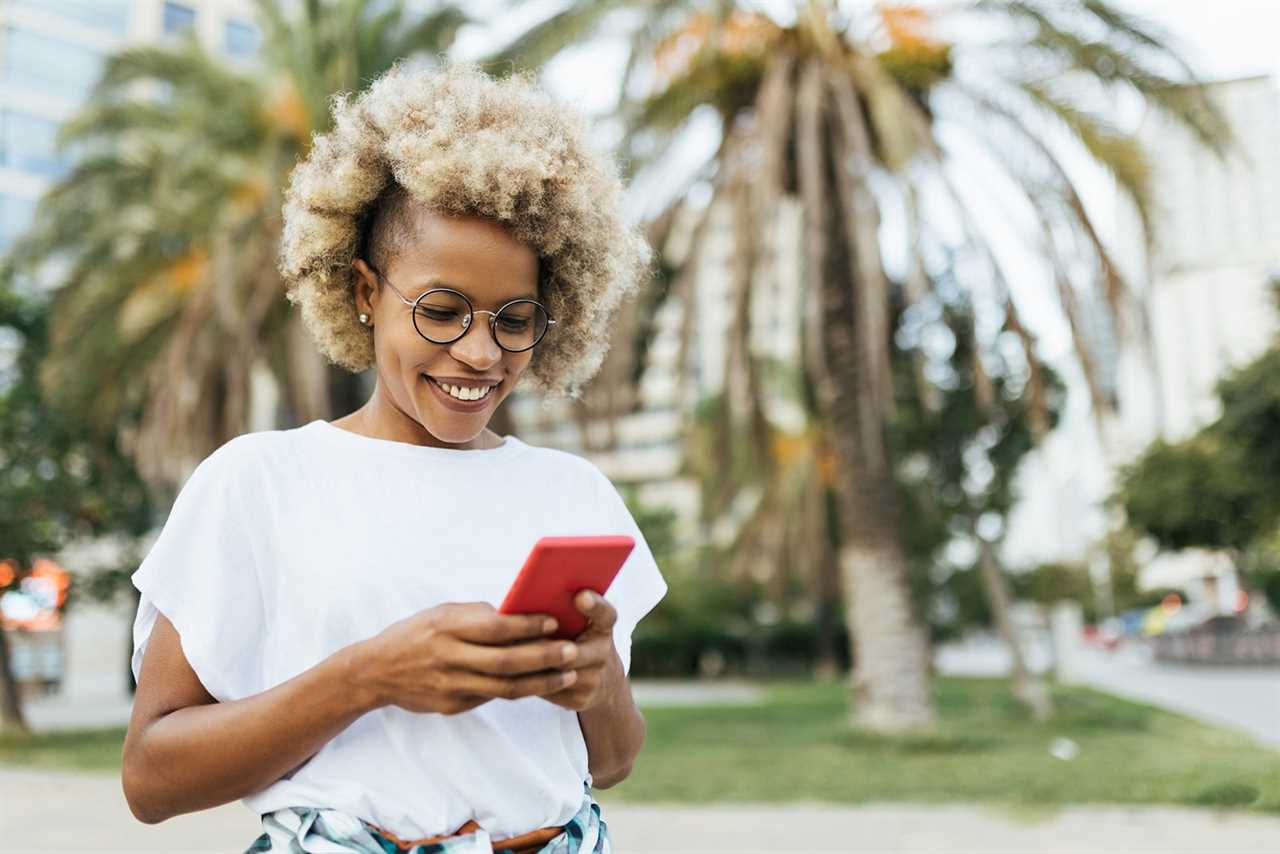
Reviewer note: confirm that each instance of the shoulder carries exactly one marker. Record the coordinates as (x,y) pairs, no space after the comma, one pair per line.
(243,458)
(566,464)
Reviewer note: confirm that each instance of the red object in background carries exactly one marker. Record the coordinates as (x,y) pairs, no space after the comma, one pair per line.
(40,594)
(1094,636)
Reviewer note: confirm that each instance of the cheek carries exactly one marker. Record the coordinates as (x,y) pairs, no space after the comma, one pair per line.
(518,365)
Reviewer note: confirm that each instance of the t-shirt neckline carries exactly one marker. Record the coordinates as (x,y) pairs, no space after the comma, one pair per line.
(510,444)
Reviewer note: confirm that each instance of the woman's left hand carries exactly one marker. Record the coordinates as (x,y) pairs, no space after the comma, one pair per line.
(596,661)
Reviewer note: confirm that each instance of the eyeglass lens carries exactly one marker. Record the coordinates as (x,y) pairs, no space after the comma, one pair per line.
(440,317)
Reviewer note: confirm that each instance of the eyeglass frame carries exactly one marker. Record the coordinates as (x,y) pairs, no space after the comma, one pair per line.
(472,312)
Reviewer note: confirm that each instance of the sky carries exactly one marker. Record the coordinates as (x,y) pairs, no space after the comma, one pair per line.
(1228,38)
(1222,38)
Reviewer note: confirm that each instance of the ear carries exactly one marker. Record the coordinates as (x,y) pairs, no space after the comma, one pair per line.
(365,284)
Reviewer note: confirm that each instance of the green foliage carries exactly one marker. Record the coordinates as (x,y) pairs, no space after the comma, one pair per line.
(1196,493)
(1261,567)
(165,234)
(1220,488)
(1229,794)
(1250,424)
(56,483)
(957,453)
(917,68)
(1053,582)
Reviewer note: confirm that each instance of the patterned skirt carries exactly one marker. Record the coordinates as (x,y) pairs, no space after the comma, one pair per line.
(318,830)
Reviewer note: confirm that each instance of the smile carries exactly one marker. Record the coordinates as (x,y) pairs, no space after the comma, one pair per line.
(461,397)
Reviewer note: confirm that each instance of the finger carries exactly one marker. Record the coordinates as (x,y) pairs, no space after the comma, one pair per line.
(480,622)
(593,653)
(567,697)
(511,688)
(527,657)
(599,610)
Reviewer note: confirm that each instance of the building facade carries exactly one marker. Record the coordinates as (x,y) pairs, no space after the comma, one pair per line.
(51,54)
(1205,282)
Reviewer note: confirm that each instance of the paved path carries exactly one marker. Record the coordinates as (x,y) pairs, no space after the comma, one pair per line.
(1244,698)
(44,812)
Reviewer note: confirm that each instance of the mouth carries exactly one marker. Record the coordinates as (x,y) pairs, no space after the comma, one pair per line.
(468,402)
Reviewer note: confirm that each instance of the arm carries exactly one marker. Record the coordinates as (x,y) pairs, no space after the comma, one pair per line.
(185,751)
(611,723)
(614,730)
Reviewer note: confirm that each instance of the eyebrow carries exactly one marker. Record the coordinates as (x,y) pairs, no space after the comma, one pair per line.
(423,287)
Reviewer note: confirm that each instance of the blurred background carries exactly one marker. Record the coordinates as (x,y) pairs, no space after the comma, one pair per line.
(951,413)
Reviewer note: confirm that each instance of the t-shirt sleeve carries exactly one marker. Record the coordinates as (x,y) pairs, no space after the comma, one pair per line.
(202,573)
(639,585)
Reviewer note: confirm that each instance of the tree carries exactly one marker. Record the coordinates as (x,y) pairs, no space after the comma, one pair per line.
(170,308)
(848,114)
(59,483)
(1220,488)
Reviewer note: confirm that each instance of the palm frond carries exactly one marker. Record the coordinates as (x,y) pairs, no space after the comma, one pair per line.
(434,32)
(1110,61)
(1118,293)
(536,46)
(1121,154)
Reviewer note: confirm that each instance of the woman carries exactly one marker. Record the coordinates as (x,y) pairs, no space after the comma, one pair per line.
(317,633)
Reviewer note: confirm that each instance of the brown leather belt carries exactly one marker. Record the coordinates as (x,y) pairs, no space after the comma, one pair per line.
(525,843)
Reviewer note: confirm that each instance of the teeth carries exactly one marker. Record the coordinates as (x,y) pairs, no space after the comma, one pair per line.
(463,392)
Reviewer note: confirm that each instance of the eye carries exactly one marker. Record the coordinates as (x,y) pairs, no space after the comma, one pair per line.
(438,313)
(515,324)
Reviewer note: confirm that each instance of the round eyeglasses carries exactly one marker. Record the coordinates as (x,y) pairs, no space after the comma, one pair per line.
(443,315)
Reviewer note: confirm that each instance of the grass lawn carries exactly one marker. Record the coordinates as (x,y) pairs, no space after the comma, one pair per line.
(797,747)
(83,750)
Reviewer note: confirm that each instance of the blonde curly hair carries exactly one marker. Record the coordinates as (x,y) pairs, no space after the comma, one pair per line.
(460,142)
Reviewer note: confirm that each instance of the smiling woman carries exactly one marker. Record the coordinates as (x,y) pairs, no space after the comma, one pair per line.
(439,381)
(318,633)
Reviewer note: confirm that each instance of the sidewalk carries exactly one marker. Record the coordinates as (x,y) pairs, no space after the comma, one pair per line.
(1242,698)
(72,813)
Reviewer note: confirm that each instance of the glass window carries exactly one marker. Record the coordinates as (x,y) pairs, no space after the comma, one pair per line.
(107,14)
(178,18)
(47,65)
(27,143)
(15,215)
(242,39)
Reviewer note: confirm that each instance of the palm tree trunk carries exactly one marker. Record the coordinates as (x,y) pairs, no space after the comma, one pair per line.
(890,683)
(11,718)
(828,588)
(1026,688)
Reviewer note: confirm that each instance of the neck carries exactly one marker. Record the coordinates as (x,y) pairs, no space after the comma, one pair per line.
(380,419)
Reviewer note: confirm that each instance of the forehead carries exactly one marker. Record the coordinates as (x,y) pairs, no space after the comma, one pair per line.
(470,254)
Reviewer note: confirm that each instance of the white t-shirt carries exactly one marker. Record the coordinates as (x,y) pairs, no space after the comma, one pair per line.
(284,546)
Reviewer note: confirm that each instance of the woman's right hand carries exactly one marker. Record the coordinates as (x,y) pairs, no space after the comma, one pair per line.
(457,656)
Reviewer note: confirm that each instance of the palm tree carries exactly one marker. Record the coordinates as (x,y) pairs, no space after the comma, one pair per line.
(168,311)
(851,113)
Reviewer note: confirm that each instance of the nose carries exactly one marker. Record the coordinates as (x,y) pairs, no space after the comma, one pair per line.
(477,349)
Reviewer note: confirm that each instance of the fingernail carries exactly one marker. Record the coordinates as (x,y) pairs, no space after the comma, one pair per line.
(568,652)
(569,678)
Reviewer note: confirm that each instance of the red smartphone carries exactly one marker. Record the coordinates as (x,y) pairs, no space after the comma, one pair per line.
(558,569)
